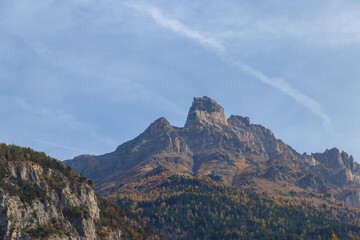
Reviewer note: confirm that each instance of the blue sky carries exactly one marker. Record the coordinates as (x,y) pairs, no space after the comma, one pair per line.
(85,76)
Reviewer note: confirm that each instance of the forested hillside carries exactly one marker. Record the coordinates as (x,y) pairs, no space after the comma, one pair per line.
(204,208)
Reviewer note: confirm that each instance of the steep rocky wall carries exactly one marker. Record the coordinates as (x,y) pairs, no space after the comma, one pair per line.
(67,209)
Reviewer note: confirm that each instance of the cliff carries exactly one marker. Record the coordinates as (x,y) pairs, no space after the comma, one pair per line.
(40,198)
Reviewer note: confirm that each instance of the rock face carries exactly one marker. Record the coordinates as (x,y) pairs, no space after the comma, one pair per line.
(205,111)
(40,198)
(19,217)
(242,154)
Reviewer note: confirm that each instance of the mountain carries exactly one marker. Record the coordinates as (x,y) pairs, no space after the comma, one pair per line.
(201,207)
(243,155)
(41,198)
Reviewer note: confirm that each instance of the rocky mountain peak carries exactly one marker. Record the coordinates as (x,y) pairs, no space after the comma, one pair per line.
(205,111)
(348,160)
(159,125)
(242,153)
(239,121)
(333,158)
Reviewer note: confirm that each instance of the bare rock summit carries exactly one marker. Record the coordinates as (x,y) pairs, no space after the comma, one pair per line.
(205,111)
(242,154)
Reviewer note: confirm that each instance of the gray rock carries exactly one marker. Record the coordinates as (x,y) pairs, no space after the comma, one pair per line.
(242,154)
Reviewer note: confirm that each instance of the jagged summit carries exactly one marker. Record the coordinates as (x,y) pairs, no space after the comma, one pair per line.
(336,159)
(242,154)
(239,121)
(206,104)
(159,125)
(205,111)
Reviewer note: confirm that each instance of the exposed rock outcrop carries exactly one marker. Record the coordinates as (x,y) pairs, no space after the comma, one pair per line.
(242,154)
(205,111)
(40,198)
(50,208)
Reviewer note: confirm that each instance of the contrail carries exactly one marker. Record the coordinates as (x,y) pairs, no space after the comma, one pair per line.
(221,51)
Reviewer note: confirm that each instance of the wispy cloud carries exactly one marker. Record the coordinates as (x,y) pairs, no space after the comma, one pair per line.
(64,147)
(54,115)
(286,88)
(220,50)
(76,65)
(178,27)
(140,91)
(59,117)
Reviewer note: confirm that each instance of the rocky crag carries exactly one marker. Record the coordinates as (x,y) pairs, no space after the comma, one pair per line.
(241,154)
(40,198)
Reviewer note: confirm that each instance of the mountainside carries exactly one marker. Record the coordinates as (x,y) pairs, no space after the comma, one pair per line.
(40,198)
(201,207)
(240,154)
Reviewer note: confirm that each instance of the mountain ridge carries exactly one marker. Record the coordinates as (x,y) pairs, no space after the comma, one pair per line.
(243,155)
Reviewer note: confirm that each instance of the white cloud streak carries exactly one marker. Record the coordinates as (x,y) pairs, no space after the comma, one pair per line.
(286,88)
(59,117)
(178,27)
(54,115)
(220,50)
(64,147)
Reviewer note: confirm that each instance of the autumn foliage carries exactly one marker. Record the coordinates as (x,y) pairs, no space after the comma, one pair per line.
(184,207)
